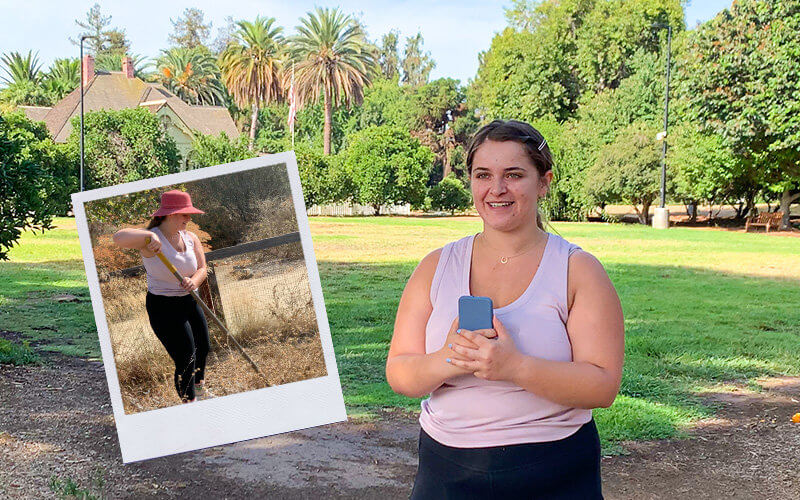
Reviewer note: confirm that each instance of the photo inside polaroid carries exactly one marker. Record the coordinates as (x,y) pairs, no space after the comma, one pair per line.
(256,326)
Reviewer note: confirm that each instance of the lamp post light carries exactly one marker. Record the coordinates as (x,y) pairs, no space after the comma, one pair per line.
(83,70)
(661,216)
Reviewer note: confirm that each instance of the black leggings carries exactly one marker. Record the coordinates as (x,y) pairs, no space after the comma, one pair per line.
(179,324)
(564,469)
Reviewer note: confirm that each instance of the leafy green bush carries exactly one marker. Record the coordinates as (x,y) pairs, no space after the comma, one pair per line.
(123,146)
(450,195)
(208,150)
(35,179)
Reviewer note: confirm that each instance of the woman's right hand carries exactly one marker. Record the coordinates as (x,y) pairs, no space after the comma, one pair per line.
(155,243)
(447,353)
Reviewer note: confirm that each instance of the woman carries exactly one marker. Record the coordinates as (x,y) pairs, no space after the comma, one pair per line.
(175,317)
(509,412)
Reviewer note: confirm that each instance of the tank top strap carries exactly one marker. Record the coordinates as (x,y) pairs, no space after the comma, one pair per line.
(557,270)
(450,267)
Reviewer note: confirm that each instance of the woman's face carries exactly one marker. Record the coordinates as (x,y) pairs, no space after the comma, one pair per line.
(178,221)
(506,185)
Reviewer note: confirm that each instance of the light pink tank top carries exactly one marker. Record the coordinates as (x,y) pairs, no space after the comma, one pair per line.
(160,280)
(468,412)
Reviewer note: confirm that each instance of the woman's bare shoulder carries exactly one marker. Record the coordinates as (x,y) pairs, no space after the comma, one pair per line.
(586,271)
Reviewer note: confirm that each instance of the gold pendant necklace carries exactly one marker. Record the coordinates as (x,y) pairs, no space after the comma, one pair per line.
(505,259)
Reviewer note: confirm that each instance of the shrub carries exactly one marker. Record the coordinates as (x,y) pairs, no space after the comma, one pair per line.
(450,195)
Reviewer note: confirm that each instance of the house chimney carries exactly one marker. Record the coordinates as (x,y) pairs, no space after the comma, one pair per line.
(127,66)
(87,69)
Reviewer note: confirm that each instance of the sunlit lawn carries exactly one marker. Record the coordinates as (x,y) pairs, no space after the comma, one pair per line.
(703,308)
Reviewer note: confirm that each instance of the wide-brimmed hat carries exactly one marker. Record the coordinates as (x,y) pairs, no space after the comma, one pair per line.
(176,202)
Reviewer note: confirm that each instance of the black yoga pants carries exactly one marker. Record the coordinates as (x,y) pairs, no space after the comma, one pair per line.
(179,324)
(564,469)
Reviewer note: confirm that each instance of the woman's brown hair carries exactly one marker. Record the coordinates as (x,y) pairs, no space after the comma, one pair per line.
(156,221)
(512,130)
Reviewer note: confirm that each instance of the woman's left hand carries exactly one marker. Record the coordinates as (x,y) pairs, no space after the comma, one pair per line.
(494,358)
(188,284)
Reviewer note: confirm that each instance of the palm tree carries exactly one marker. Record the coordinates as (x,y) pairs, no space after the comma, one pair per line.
(191,74)
(21,69)
(334,61)
(63,77)
(252,64)
(23,78)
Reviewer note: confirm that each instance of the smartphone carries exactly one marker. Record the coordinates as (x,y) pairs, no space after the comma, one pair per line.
(474,313)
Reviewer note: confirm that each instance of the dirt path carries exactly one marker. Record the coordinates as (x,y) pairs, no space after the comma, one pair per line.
(58,424)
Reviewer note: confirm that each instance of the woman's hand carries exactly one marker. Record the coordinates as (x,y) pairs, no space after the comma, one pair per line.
(189,284)
(488,354)
(155,243)
(447,352)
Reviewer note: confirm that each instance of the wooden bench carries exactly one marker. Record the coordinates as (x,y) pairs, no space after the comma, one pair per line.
(765,219)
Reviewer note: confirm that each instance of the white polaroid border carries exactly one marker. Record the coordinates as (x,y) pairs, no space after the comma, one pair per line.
(226,419)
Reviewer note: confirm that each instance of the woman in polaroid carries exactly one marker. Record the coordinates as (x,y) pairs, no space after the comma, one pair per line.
(510,407)
(175,317)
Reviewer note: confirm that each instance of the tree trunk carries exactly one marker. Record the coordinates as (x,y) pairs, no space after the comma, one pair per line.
(787,198)
(644,218)
(326,132)
(253,123)
(377,208)
(693,211)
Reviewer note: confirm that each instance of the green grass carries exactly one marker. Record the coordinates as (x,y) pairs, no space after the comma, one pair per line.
(703,308)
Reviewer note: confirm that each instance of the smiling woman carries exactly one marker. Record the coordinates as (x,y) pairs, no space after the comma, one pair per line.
(509,412)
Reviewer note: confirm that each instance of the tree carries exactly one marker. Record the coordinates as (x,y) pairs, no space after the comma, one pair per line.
(385,103)
(124,146)
(324,178)
(740,74)
(23,77)
(94,26)
(63,77)
(191,74)
(190,30)
(416,65)
(387,167)
(703,168)
(251,66)
(104,40)
(334,63)
(225,35)
(628,171)
(521,16)
(450,195)
(30,194)
(389,58)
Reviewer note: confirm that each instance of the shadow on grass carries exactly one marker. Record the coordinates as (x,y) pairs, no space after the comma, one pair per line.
(686,330)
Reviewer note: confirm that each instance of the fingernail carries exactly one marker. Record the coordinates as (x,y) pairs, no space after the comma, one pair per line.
(448,360)
(458,331)
(450,346)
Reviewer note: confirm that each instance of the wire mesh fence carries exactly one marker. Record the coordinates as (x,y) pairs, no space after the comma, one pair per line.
(259,290)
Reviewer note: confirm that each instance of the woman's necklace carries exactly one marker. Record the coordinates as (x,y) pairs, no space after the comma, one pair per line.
(504,259)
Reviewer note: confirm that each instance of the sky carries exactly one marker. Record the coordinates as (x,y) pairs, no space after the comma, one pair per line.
(454,31)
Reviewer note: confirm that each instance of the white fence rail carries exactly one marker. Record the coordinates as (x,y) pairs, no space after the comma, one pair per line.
(354,209)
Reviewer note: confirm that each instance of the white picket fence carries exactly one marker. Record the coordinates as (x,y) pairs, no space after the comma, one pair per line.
(354,209)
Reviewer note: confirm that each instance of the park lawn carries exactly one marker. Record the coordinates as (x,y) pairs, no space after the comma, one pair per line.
(703,308)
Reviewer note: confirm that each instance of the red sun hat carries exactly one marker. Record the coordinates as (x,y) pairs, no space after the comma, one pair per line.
(176,202)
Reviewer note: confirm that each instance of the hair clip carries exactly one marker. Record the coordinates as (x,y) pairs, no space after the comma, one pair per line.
(544,141)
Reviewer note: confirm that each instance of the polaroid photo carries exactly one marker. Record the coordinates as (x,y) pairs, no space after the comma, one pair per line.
(245,353)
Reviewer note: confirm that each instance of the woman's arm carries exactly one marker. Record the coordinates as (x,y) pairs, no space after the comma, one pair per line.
(596,331)
(193,282)
(409,370)
(133,238)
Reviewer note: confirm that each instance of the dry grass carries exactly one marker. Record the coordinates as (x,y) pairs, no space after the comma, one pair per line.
(270,313)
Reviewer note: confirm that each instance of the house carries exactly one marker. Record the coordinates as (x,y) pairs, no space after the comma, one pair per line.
(112,90)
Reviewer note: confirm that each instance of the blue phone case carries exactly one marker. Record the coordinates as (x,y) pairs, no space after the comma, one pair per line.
(474,313)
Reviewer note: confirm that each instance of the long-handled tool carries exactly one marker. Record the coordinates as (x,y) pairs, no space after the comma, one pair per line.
(163,258)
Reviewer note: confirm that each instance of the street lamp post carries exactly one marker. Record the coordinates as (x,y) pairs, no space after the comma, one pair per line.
(661,216)
(83,37)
